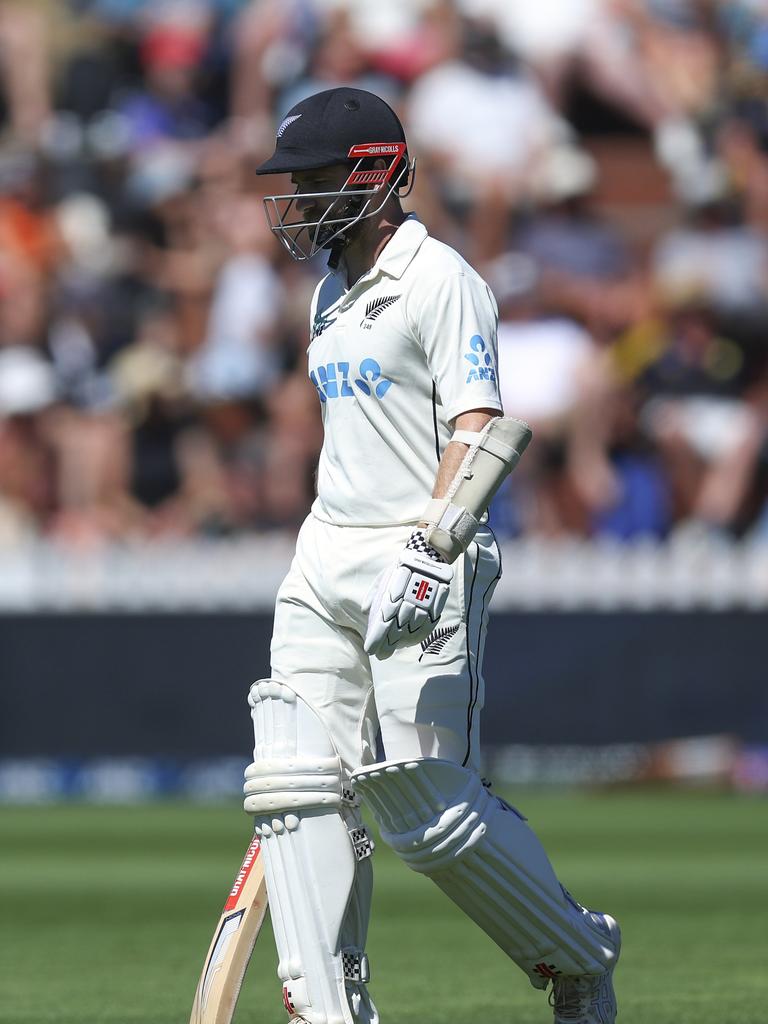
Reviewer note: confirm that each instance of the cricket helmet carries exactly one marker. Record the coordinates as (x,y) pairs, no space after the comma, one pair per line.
(338,126)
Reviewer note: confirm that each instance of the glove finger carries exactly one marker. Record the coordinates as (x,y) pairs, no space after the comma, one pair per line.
(388,646)
(405,613)
(374,630)
(440,600)
(381,644)
(373,639)
(398,583)
(370,598)
(418,621)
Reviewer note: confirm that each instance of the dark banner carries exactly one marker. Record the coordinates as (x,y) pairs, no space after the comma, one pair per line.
(175,685)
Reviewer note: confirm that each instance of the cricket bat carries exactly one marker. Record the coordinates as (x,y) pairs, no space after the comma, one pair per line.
(232,943)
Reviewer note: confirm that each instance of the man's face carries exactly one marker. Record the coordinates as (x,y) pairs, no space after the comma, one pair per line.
(311,207)
(324,179)
(316,212)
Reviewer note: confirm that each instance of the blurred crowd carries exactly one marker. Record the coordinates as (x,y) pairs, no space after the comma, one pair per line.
(603,163)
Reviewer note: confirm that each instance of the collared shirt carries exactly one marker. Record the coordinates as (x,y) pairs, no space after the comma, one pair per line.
(395,358)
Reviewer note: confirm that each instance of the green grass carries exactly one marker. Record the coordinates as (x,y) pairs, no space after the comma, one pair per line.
(106,914)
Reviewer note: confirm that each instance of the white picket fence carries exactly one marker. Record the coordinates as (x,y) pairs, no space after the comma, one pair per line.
(243,575)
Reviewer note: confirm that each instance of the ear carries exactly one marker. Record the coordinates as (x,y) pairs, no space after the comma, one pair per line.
(381,164)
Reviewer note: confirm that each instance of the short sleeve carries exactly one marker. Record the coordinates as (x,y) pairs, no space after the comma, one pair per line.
(455,320)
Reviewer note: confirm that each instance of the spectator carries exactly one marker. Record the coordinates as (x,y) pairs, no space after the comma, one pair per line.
(337,58)
(27,393)
(168,106)
(696,412)
(547,363)
(482,124)
(238,357)
(24,72)
(155,382)
(715,253)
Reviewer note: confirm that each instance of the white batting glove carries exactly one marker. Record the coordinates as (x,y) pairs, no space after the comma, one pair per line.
(407,600)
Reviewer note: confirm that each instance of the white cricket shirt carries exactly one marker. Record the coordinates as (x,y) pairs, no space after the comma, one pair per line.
(407,348)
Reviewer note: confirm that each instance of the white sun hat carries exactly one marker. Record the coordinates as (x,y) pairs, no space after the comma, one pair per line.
(27,381)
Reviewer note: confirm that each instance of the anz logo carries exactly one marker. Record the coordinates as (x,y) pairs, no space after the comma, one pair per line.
(481,361)
(333,380)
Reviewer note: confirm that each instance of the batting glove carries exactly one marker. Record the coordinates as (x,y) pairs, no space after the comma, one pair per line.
(407,600)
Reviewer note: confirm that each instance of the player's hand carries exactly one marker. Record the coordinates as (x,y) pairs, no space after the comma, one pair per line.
(407,600)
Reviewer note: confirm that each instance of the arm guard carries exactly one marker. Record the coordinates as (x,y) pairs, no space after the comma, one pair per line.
(493,453)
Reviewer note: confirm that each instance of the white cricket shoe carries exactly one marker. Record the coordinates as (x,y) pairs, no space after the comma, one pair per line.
(588,998)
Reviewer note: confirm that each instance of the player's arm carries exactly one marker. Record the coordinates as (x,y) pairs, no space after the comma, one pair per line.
(484,448)
(409,599)
(455,451)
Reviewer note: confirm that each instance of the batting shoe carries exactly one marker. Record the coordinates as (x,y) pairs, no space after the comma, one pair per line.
(588,998)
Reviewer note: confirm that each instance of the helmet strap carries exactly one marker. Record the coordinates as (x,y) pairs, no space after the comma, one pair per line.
(339,244)
(337,247)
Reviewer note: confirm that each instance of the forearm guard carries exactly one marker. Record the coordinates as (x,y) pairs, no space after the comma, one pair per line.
(493,453)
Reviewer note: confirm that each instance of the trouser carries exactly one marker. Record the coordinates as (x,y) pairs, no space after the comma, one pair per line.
(426,700)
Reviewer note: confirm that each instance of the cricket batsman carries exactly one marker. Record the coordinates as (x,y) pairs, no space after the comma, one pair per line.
(381,621)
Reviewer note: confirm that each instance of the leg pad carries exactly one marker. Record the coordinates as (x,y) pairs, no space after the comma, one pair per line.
(316,858)
(442,821)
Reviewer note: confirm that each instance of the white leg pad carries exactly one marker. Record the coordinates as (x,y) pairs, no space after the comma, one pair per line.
(442,821)
(316,859)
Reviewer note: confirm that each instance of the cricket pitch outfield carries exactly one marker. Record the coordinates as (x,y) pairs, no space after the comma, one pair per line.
(107,914)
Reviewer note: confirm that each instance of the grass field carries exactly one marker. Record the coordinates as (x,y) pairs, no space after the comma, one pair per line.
(106,914)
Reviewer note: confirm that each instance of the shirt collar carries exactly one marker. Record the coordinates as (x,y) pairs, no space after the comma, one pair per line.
(394,257)
(402,247)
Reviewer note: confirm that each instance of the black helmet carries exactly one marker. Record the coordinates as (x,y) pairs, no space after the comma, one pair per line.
(322,129)
(337,126)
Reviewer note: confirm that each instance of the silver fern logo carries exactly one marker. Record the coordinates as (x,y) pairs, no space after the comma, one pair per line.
(288,121)
(375,308)
(437,640)
(321,323)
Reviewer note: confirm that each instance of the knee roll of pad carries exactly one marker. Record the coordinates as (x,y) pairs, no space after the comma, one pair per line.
(316,859)
(295,765)
(443,822)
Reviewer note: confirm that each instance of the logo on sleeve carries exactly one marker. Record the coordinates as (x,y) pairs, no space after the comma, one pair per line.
(480,360)
(375,308)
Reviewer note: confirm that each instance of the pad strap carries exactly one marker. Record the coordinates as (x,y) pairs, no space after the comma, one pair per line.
(474,438)
(362,843)
(355,966)
(458,523)
(470,437)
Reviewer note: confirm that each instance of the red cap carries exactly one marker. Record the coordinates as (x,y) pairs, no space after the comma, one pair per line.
(172,46)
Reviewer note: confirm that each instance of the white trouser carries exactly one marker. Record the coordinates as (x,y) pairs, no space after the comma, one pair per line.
(426,702)
(316,721)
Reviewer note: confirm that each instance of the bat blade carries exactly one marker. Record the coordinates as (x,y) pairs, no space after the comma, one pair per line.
(232,943)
